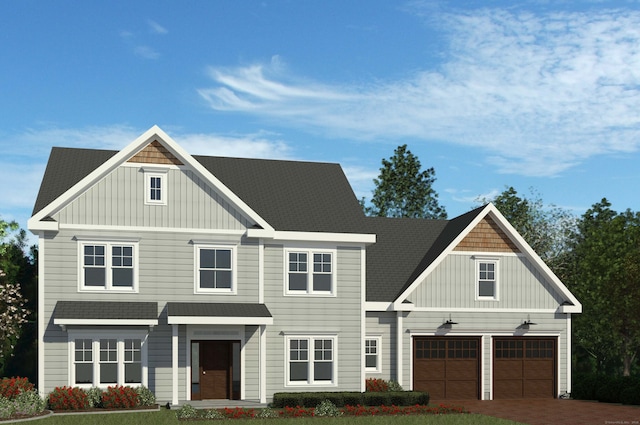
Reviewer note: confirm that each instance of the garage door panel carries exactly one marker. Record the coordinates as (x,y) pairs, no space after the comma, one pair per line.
(507,389)
(524,367)
(429,370)
(446,367)
(508,369)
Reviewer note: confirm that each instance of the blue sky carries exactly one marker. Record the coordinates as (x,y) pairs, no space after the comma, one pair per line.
(542,95)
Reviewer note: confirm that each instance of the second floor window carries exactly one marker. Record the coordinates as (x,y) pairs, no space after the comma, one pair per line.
(487,279)
(215,269)
(310,272)
(155,187)
(108,266)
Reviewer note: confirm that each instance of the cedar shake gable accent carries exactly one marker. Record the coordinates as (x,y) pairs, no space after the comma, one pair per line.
(155,153)
(487,236)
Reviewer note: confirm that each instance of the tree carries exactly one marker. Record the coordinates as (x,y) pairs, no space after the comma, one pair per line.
(15,267)
(547,229)
(402,190)
(605,276)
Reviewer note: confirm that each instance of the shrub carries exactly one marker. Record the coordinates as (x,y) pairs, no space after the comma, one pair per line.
(28,403)
(119,397)
(267,413)
(68,398)
(94,395)
(7,407)
(584,387)
(630,395)
(11,387)
(187,411)
(341,399)
(211,414)
(327,408)
(394,386)
(145,396)
(376,385)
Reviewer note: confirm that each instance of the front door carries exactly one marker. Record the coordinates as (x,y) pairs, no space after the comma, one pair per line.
(215,370)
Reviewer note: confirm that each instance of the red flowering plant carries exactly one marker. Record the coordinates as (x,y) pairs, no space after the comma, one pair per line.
(297,412)
(376,385)
(239,413)
(119,397)
(68,398)
(12,387)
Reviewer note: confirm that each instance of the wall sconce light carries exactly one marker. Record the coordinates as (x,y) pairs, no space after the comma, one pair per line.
(450,322)
(527,323)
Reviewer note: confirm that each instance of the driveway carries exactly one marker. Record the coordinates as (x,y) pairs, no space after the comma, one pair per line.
(554,411)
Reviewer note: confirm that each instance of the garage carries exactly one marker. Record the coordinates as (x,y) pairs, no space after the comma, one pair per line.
(447,367)
(524,367)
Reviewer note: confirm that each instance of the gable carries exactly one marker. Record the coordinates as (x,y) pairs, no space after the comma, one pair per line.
(118,199)
(155,153)
(487,236)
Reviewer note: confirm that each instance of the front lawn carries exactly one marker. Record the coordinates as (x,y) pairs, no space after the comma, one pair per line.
(166,417)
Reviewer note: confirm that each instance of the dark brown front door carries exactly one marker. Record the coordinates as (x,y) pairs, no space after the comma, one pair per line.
(524,367)
(447,367)
(215,370)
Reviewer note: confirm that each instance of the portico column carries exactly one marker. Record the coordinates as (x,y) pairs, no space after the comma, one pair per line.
(174,364)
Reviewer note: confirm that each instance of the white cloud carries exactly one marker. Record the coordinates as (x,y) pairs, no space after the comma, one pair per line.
(156,28)
(146,52)
(538,93)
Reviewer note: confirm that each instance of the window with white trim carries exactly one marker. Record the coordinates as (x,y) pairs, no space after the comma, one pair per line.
(487,279)
(155,188)
(108,266)
(311,360)
(372,354)
(103,359)
(215,267)
(310,272)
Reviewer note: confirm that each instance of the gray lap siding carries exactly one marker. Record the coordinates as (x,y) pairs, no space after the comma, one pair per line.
(314,315)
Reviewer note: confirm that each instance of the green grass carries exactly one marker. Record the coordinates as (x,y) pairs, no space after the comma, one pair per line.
(165,417)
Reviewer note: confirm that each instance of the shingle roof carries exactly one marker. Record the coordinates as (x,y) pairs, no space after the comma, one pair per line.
(404,248)
(217,310)
(289,195)
(106,310)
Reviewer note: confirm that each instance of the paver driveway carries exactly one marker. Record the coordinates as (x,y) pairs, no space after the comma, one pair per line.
(561,412)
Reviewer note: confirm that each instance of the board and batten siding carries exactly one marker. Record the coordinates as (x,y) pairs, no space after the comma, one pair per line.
(314,315)
(486,325)
(119,200)
(453,284)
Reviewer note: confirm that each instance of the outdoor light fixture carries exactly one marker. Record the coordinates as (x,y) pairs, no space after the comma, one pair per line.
(450,322)
(528,322)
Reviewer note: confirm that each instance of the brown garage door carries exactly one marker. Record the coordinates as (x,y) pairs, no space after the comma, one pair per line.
(524,367)
(446,367)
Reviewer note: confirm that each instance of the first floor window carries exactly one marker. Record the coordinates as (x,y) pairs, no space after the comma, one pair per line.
(100,361)
(372,354)
(311,360)
(84,361)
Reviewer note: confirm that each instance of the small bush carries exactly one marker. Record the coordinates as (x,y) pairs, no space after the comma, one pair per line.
(630,395)
(584,387)
(7,407)
(119,397)
(11,387)
(94,395)
(68,398)
(28,403)
(327,408)
(187,411)
(145,396)
(394,386)
(376,385)
(212,414)
(267,413)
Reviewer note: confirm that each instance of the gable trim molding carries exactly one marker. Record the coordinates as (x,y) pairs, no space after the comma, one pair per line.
(573,305)
(155,133)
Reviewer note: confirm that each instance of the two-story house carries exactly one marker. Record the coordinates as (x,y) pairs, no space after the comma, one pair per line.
(226,278)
